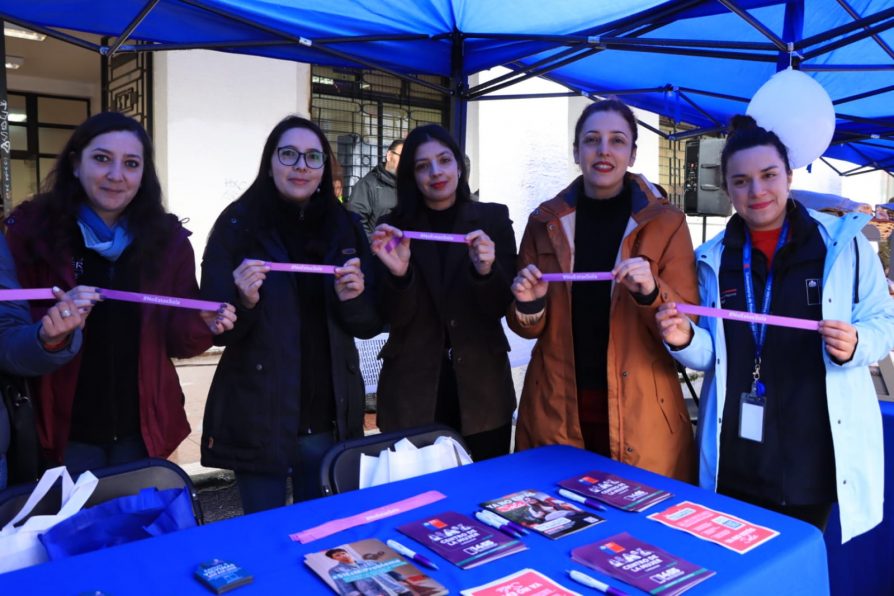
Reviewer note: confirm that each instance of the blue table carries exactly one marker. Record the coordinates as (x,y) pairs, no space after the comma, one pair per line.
(865,565)
(792,563)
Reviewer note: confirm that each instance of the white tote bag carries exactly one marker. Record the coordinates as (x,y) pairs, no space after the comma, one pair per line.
(407,461)
(20,547)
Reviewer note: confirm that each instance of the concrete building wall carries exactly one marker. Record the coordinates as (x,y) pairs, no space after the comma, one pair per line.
(213,112)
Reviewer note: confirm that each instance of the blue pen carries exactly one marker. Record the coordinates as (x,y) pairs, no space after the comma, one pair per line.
(581,499)
(592,582)
(403,550)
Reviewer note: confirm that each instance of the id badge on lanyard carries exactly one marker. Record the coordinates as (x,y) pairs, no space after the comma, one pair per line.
(753,404)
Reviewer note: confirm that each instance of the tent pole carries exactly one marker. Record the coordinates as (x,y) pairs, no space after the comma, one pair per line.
(792,31)
(863,95)
(867,32)
(131,27)
(845,29)
(743,14)
(5,142)
(854,15)
(458,95)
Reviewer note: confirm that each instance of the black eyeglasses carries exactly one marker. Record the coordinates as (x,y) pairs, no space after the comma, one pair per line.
(289,156)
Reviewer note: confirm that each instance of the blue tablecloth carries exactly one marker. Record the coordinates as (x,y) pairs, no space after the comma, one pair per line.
(865,565)
(792,563)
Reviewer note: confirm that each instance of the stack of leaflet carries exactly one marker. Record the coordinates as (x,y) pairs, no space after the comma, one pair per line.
(615,491)
(370,567)
(463,541)
(545,514)
(641,565)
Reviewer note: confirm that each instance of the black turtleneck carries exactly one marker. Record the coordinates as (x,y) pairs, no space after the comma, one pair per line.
(598,230)
(303,230)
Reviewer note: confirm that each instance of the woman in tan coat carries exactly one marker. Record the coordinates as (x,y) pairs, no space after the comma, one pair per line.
(599,377)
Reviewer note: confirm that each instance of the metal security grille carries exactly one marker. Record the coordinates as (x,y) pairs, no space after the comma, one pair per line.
(127,86)
(672,160)
(363,111)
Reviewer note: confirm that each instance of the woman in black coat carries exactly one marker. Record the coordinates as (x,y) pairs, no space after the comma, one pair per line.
(288,384)
(446,358)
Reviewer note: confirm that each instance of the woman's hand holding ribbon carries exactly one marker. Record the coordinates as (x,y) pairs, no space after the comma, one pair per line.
(635,274)
(83,298)
(674,327)
(249,276)
(396,259)
(349,280)
(219,320)
(482,251)
(59,321)
(527,285)
(840,339)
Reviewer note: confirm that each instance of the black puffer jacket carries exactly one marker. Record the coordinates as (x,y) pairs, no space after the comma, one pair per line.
(373,196)
(252,415)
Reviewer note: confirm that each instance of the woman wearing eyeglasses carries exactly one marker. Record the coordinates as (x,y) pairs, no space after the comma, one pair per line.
(288,384)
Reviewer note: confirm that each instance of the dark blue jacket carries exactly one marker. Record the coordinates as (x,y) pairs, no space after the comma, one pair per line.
(252,414)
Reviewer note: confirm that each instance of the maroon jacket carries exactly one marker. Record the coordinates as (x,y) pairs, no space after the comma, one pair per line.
(165,333)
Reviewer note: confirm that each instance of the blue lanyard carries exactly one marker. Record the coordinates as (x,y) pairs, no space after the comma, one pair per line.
(759,332)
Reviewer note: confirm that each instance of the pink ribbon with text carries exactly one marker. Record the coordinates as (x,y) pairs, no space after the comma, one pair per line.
(432,236)
(47,294)
(580,276)
(337,525)
(301,268)
(748,317)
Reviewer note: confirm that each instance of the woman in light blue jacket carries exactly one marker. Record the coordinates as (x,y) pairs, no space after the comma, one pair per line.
(789,418)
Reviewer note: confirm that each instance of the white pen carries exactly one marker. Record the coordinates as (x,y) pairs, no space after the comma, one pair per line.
(592,582)
(403,550)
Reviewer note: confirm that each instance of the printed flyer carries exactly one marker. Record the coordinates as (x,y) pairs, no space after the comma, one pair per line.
(371,567)
(463,541)
(526,582)
(641,565)
(624,494)
(543,513)
(726,530)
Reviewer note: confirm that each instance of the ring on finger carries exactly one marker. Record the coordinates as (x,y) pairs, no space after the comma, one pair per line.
(65,313)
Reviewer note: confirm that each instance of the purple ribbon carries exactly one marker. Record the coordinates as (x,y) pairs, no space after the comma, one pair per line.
(431,236)
(748,317)
(582,276)
(28,294)
(301,268)
(141,298)
(337,525)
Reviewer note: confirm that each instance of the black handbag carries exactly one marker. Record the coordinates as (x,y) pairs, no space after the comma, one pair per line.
(23,458)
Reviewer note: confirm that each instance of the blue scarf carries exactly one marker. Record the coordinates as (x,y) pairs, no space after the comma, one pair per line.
(100,238)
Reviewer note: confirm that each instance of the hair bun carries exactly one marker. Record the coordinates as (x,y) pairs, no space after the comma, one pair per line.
(742,122)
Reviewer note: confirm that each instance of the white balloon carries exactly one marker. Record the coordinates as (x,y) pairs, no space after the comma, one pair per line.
(800,112)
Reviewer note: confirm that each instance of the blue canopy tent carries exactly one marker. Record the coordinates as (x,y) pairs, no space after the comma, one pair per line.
(696,61)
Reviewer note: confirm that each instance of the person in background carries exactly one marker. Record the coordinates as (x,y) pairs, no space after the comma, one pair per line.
(338,185)
(375,194)
(446,356)
(100,223)
(31,349)
(598,376)
(288,385)
(789,418)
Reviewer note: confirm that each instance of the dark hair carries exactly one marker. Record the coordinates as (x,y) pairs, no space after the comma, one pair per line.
(745,134)
(332,551)
(62,194)
(395,144)
(606,105)
(409,198)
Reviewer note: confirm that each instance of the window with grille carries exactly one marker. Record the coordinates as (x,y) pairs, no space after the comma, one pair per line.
(363,111)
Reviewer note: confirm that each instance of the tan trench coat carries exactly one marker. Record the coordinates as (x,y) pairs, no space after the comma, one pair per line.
(648,423)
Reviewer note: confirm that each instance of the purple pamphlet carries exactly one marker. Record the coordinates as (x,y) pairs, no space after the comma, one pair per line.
(641,565)
(463,541)
(622,493)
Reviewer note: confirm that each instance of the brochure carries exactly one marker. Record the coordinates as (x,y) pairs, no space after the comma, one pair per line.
(526,581)
(221,576)
(724,529)
(463,541)
(370,567)
(641,565)
(543,513)
(622,493)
